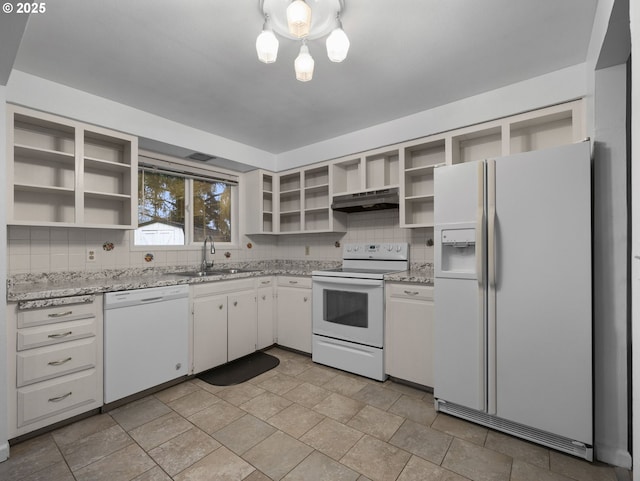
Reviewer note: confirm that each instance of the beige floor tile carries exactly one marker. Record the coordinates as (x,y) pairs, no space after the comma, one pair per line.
(216,416)
(332,438)
(95,447)
(291,367)
(376,422)
(175,392)
(345,385)
(522,471)
(477,463)
(193,402)
(240,393)
(317,375)
(363,478)
(81,429)
(423,441)
(179,453)
(265,405)
(414,408)
(317,466)
(263,377)
(307,394)
(30,457)
(295,420)
(579,469)
(376,459)
(123,465)
(518,449)
(417,469)
(339,407)
(244,433)
(220,465)
(139,412)
(377,396)
(57,472)
(406,390)
(257,476)
(460,428)
(277,455)
(154,474)
(160,430)
(212,388)
(280,383)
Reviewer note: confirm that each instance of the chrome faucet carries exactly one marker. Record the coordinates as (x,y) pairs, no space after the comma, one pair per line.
(205,264)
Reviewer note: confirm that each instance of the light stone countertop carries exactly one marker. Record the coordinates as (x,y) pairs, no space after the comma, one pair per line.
(32,287)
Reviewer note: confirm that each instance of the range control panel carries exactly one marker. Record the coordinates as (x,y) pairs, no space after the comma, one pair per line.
(382,251)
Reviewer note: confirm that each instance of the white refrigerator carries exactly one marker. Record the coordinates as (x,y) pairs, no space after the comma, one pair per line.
(513,295)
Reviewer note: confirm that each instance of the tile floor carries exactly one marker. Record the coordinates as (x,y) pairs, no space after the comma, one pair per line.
(299,421)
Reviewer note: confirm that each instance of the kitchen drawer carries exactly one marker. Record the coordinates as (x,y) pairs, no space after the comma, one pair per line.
(410,291)
(48,362)
(48,398)
(220,287)
(55,334)
(264,282)
(303,282)
(49,315)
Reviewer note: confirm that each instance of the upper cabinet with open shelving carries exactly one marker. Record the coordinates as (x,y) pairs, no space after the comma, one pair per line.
(66,173)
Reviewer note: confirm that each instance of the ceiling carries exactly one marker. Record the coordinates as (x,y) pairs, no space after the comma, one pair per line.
(195,62)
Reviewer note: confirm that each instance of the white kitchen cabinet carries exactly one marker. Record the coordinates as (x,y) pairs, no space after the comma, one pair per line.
(209,332)
(409,338)
(66,173)
(294,313)
(372,170)
(54,358)
(266,313)
(242,324)
(262,200)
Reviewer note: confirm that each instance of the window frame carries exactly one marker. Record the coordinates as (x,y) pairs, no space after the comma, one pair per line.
(159,163)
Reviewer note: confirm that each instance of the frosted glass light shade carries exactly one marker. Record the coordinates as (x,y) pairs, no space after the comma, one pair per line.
(299,18)
(267,46)
(304,65)
(337,45)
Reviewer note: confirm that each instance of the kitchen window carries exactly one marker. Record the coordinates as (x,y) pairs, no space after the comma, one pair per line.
(180,206)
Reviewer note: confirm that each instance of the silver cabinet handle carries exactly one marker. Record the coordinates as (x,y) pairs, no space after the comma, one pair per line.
(61,314)
(264,298)
(62,334)
(220,306)
(411,293)
(235,303)
(60,398)
(305,299)
(59,362)
(293,282)
(265,282)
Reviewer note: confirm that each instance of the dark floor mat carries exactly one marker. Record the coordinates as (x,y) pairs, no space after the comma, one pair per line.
(240,370)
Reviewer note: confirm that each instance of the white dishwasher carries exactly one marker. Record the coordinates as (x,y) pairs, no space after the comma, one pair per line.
(146,339)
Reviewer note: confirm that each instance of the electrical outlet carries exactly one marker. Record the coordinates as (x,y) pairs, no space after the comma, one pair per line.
(306,250)
(91,255)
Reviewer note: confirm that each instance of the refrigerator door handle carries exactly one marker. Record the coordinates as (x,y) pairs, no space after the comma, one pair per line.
(491,291)
(491,222)
(480,227)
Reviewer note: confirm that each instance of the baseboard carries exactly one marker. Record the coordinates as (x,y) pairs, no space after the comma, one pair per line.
(614,456)
(4,451)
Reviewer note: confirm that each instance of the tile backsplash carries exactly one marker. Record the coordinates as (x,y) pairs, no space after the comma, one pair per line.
(56,249)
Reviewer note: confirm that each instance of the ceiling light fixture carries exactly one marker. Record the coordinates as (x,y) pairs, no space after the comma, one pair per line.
(297,20)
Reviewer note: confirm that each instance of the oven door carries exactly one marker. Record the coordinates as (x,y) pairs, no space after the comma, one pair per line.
(350,309)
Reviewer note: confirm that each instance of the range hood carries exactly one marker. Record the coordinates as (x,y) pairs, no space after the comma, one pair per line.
(365,201)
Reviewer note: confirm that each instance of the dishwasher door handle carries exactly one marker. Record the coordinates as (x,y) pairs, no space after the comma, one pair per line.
(152,299)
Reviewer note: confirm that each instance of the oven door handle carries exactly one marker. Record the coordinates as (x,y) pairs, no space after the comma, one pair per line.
(347,281)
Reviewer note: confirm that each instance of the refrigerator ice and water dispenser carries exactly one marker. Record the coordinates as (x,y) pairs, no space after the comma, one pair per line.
(457,252)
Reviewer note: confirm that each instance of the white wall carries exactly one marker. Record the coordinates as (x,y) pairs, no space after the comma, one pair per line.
(38,93)
(4,446)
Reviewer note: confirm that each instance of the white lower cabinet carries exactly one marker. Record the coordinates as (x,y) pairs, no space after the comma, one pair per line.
(266,313)
(294,313)
(242,324)
(209,331)
(54,361)
(409,332)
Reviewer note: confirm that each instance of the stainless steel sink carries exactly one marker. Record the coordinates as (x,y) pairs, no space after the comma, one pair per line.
(212,272)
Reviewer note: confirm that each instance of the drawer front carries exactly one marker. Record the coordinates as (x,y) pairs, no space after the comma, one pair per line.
(56,333)
(48,362)
(264,282)
(49,315)
(49,398)
(304,282)
(220,287)
(410,291)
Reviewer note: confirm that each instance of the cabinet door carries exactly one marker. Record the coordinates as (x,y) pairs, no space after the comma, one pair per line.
(242,324)
(294,318)
(266,317)
(409,340)
(209,332)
